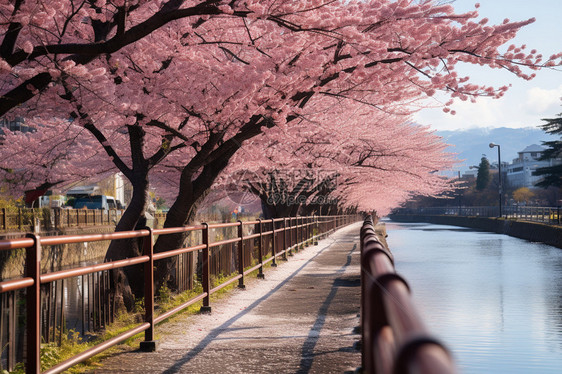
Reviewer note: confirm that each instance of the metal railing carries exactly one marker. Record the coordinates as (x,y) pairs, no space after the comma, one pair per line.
(548,215)
(45,219)
(394,338)
(285,235)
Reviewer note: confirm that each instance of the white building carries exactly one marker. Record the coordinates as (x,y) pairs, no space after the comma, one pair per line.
(520,171)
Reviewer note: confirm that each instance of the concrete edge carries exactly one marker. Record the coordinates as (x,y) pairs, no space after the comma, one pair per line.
(531,231)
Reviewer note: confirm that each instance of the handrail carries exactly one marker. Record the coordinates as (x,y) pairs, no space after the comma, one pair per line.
(394,338)
(297,232)
(549,215)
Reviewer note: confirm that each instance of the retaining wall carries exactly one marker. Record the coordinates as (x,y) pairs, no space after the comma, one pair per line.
(532,231)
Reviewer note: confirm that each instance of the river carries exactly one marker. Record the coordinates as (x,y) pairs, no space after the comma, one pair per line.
(494,300)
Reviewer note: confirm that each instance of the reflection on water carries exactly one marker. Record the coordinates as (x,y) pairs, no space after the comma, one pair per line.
(496,301)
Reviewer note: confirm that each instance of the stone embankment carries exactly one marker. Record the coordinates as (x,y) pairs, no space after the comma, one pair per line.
(531,231)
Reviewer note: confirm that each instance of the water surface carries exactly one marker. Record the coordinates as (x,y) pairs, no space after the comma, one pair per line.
(494,300)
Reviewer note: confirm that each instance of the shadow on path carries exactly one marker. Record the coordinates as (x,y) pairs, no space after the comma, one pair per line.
(307,352)
(214,334)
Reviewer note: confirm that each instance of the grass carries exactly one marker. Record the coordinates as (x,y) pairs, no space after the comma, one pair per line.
(72,344)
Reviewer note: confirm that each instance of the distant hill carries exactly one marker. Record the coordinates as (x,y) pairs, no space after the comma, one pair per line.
(470,144)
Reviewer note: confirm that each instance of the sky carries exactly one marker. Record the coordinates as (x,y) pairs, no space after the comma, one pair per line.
(527,101)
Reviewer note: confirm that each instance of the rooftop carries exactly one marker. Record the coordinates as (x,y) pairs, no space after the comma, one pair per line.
(533,148)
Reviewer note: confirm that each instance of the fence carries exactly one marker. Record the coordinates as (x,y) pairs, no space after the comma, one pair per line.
(394,338)
(548,215)
(45,219)
(256,243)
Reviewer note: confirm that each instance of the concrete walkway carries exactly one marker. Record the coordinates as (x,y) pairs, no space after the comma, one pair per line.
(300,319)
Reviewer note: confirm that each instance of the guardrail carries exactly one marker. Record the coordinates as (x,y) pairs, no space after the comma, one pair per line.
(45,219)
(548,215)
(394,338)
(285,235)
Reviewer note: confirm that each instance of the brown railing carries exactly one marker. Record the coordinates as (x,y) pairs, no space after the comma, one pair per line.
(547,215)
(394,338)
(45,219)
(283,235)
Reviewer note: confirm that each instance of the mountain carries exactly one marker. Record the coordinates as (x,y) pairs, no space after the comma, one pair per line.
(471,144)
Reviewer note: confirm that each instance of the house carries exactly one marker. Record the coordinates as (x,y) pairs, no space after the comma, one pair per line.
(520,171)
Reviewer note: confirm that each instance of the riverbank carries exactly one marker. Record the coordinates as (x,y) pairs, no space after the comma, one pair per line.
(531,231)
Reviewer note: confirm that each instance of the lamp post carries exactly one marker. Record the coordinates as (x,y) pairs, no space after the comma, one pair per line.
(492,145)
(459,193)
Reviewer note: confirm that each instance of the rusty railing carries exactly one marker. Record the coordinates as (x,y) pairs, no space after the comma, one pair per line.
(548,215)
(45,219)
(394,338)
(283,236)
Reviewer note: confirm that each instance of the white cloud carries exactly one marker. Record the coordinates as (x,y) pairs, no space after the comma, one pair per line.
(486,112)
(540,100)
(523,105)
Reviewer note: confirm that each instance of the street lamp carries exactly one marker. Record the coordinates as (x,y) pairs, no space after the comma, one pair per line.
(492,145)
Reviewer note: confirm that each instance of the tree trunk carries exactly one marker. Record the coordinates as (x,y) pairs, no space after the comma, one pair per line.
(181,213)
(276,210)
(127,282)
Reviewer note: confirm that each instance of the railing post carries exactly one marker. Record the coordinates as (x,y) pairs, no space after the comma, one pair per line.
(303,232)
(260,249)
(205,272)
(307,230)
(241,255)
(4,219)
(295,234)
(149,344)
(58,217)
(33,306)
(315,226)
(362,317)
(33,220)
(273,242)
(302,235)
(285,249)
(290,233)
(298,234)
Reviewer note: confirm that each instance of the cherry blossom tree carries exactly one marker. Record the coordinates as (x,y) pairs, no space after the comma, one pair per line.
(353,149)
(170,90)
(376,53)
(373,52)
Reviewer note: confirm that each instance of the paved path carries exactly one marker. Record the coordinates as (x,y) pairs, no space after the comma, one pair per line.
(300,319)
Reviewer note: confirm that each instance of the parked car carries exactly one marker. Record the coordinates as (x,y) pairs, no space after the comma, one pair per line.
(95,202)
